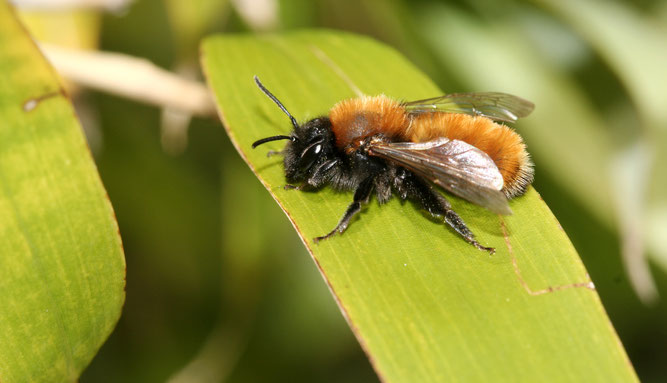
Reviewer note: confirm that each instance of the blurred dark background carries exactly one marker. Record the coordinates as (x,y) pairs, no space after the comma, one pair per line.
(219,287)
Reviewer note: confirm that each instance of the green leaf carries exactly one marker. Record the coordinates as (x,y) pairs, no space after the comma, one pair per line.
(425,305)
(61,262)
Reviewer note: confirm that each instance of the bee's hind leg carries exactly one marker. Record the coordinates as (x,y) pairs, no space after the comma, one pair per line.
(362,194)
(438,207)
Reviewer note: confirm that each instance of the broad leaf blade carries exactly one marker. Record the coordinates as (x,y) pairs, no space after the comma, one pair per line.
(425,305)
(61,261)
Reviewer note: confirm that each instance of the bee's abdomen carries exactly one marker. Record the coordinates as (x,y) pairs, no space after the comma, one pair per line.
(501,143)
(357,118)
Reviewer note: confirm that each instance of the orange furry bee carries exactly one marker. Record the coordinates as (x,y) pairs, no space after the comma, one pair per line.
(376,144)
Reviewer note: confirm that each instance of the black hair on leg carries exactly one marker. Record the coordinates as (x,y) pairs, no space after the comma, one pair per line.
(438,207)
(362,194)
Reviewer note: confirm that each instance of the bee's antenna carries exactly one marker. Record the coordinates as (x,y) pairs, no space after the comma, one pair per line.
(269,139)
(280,105)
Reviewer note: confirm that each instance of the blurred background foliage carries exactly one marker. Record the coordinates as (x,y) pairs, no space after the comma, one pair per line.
(219,286)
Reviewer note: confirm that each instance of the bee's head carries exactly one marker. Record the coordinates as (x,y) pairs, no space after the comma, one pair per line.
(309,144)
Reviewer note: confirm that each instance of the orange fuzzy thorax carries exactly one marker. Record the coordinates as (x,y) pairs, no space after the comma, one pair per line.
(366,116)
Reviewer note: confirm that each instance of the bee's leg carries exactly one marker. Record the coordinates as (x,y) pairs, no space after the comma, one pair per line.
(362,194)
(272,153)
(318,178)
(440,208)
(457,224)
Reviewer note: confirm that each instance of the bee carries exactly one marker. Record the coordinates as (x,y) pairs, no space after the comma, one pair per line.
(383,146)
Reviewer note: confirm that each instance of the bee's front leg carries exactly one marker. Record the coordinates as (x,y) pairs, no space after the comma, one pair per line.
(318,178)
(362,194)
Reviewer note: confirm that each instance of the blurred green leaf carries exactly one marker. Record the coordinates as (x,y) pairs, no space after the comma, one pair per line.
(61,266)
(191,19)
(635,47)
(425,305)
(564,133)
(72,28)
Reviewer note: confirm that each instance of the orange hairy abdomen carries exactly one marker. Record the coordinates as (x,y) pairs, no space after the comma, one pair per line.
(502,144)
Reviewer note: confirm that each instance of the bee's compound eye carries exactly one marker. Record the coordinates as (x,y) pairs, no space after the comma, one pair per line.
(310,155)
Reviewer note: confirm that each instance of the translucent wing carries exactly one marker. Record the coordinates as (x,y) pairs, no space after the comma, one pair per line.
(456,166)
(494,105)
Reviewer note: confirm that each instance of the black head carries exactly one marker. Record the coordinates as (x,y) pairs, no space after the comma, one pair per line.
(309,145)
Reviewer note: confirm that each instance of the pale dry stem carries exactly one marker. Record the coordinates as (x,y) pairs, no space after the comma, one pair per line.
(131,77)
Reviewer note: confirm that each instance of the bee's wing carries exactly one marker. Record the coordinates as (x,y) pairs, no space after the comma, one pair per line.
(494,105)
(458,167)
